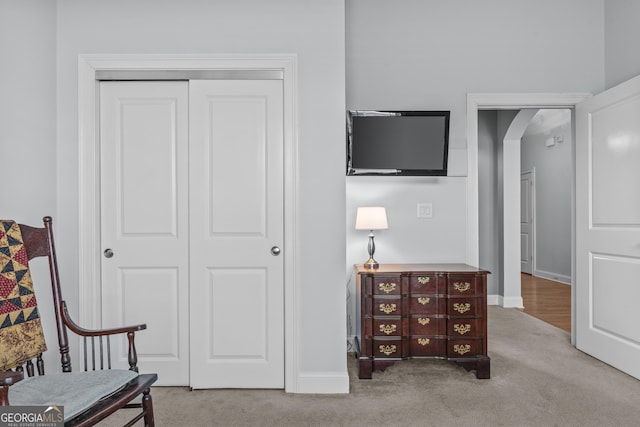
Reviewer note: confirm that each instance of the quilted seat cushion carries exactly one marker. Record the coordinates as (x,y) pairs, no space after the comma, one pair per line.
(76,391)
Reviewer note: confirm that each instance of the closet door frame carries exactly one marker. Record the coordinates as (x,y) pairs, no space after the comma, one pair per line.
(89,67)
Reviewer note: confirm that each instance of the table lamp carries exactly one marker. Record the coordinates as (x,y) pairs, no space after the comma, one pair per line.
(371,218)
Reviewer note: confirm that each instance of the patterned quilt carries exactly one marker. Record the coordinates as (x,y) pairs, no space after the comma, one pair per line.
(21,336)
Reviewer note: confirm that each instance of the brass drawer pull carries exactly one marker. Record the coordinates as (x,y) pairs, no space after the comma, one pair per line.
(387,287)
(462,286)
(424,320)
(423,341)
(388,329)
(462,308)
(462,329)
(387,308)
(423,280)
(387,349)
(423,300)
(461,349)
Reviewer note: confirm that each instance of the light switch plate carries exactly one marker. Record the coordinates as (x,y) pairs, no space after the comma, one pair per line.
(425,210)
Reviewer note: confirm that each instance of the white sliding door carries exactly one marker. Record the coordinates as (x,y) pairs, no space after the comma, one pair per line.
(144,221)
(193,228)
(236,194)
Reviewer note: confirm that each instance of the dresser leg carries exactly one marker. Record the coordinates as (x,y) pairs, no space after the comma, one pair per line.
(365,368)
(483,369)
(481,364)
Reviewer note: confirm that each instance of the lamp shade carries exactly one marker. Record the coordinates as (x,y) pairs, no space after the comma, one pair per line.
(371,218)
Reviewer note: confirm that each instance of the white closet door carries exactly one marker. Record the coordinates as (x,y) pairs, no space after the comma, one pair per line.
(144,221)
(608,226)
(236,211)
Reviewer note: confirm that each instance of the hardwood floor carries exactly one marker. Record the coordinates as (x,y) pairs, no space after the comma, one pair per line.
(547,300)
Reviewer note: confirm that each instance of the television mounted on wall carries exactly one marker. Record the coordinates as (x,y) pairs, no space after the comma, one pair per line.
(397,142)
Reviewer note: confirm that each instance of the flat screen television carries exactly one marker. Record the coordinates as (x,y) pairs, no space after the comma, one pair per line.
(397,142)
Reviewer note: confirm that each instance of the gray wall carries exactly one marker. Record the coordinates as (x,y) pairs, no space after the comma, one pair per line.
(622,35)
(27,108)
(315,32)
(424,54)
(28,128)
(492,127)
(553,181)
(43,39)
(489,215)
(503,121)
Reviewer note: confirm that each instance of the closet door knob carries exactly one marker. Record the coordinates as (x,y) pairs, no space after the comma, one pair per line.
(108,253)
(275,251)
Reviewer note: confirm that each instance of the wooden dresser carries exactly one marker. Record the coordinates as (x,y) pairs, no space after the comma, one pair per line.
(421,310)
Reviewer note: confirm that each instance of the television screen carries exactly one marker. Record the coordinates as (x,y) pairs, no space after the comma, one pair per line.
(397,142)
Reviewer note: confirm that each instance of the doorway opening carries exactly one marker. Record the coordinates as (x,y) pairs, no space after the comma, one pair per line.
(521,148)
(545,216)
(507,290)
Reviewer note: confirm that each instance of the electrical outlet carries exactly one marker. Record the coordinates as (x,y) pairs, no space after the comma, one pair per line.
(425,210)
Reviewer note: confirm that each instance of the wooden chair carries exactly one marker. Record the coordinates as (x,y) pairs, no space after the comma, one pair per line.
(99,390)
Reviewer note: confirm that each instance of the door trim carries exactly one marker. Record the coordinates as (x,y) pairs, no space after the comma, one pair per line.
(89,180)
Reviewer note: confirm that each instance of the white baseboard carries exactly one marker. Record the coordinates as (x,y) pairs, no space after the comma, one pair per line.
(323,383)
(506,302)
(493,299)
(552,276)
(512,302)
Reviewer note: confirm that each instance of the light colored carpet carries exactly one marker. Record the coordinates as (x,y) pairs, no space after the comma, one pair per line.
(537,379)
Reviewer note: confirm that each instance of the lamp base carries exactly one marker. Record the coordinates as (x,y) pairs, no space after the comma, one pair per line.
(371,263)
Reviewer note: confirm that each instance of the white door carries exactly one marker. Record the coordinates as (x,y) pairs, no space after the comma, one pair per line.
(608,226)
(237,231)
(526,222)
(144,214)
(192,211)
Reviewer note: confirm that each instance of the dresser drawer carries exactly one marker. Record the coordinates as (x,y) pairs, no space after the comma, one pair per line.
(427,305)
(463,327)
(428,284)
(387,348)
(427,325)
(463,285)
(427,346)
(386,306)
(464,347)
(384,284)
(381,306)
(387,327)
(464,306)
